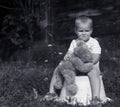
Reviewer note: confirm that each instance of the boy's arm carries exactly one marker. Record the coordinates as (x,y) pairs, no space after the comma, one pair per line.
(70,50)
(96,51)
(96,58)
(67,55)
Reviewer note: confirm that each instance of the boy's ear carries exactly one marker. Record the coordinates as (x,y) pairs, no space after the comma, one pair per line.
(75,30)
(91,31)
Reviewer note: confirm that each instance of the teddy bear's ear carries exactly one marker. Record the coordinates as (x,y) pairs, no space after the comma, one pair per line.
(81,43)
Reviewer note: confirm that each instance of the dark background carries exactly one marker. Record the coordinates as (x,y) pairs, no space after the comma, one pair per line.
(24,23)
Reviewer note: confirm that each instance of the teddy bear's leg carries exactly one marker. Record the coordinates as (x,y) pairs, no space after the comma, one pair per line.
(63,74)
(69,76)
(68,91)
(69,83)
(57,78)
(71,90)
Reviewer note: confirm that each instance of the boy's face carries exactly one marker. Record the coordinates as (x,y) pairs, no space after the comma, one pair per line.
(83,31)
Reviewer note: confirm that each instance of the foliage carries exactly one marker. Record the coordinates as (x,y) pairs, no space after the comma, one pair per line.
(41,53)
(18,32)
(17,81)
(23,27)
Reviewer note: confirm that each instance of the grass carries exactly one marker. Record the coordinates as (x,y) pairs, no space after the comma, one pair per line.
(18,79)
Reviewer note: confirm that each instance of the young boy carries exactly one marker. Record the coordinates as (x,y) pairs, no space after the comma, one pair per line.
(83,30)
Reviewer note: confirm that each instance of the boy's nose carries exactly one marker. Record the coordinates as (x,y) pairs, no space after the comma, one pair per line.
(83,32)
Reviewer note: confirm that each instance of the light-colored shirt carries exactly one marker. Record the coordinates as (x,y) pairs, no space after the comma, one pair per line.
(92,44)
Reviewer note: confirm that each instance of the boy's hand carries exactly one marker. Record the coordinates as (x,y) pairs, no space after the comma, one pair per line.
(67,56)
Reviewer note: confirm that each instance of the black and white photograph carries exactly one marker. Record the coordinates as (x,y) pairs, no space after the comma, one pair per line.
(59,53)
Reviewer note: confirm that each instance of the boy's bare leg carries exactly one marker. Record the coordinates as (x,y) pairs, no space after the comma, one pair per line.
(52,83)
(94,77)
(54,80)
(51,94)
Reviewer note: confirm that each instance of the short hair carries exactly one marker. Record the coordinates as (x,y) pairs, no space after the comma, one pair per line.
(83,19)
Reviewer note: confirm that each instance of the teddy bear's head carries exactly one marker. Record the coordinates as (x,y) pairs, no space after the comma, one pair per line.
(82,52)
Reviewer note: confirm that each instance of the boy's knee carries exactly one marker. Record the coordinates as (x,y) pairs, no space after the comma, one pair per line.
(94,72)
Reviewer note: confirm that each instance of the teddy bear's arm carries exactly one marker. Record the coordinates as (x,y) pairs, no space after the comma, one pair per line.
(81,66)
(87,67)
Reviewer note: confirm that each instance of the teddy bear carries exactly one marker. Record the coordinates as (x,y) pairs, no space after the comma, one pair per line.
(80,60)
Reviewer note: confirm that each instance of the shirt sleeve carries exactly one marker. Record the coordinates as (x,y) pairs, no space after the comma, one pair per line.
(72,46)
(96,47)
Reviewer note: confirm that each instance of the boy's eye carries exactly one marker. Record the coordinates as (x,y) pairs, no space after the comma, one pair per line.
(83,30)
(87,30)
(80,31)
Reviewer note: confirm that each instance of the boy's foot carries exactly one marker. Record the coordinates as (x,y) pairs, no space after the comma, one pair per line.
(96,102)
(50,96)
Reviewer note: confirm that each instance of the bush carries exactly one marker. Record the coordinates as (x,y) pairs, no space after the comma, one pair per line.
(18,32)
(41,53)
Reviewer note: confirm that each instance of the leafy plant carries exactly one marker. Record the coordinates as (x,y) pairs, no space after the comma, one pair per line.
(23,27)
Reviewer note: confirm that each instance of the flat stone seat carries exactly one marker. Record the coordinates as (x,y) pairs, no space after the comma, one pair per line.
(83,95)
